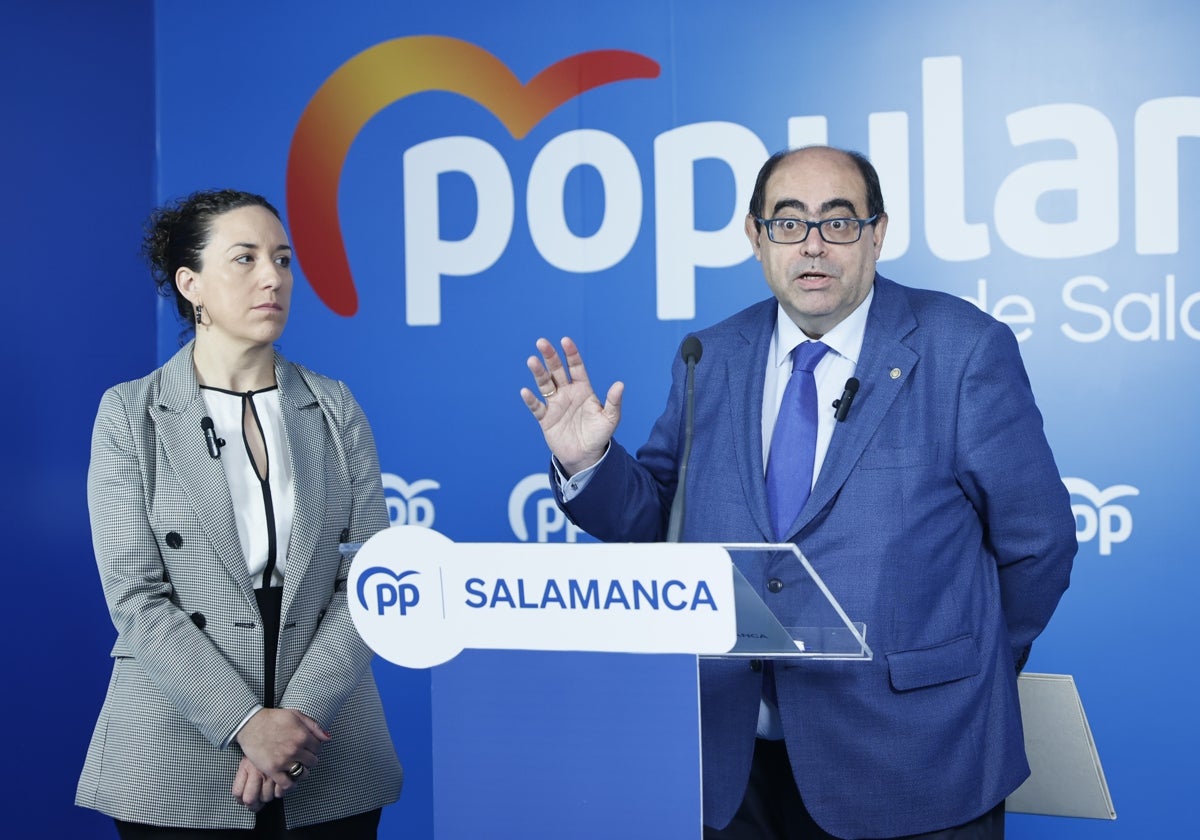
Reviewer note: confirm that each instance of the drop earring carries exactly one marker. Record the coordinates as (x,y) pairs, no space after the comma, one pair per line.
(199,313)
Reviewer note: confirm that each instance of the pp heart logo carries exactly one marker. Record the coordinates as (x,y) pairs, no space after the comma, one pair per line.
(386,593)
(383,75)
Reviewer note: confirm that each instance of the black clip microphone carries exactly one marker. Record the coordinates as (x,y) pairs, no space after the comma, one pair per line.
(842,403)
(691,352)
(210,437)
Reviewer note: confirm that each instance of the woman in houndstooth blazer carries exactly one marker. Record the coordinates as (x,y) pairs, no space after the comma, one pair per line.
(220,488)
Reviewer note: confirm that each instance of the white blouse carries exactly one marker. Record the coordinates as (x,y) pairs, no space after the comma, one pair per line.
(263,509)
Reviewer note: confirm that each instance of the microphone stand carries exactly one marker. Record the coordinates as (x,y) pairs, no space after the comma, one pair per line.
(691,354)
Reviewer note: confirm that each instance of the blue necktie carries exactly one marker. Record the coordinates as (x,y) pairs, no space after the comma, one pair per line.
(794,442)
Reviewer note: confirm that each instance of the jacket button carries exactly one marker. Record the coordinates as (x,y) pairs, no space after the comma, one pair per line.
(756,665)
(199,620)
(774,585)
(174,540)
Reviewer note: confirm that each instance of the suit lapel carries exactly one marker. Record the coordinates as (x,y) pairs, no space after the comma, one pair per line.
(745,402)
(304,422)
(176,412)
(883,367)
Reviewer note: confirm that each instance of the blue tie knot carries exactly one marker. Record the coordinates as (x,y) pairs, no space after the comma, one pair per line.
(806,356)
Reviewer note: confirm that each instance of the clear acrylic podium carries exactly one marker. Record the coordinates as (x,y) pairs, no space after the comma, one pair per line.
(823,631)
(547,743)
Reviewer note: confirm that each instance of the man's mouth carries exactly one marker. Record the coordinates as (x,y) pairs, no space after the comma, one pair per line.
(812,277)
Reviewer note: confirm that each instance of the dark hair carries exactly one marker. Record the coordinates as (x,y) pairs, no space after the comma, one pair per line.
(178,231)
(869,175)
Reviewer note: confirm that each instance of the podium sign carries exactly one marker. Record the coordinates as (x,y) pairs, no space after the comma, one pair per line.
(418,599)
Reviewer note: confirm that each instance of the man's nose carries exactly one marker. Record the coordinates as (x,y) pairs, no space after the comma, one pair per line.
(813,244)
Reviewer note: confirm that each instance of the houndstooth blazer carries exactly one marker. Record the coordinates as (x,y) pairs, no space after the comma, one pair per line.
(188,661)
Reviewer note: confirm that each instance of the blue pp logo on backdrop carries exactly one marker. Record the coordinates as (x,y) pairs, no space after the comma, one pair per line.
(406,505)
(1098,517)
(380,590)
(532,499)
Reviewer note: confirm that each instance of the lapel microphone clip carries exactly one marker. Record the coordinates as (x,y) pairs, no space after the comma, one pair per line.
(842,404)
(210,437)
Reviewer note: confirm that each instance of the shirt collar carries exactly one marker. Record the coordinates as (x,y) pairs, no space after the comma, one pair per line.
(845,339)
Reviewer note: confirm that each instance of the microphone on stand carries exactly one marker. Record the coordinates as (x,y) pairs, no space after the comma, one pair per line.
(691,352)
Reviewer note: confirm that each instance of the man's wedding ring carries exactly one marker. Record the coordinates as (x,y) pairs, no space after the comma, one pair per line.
(296,770)
(553,390)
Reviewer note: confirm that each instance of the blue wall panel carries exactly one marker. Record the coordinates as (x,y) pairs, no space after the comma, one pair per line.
(77,156)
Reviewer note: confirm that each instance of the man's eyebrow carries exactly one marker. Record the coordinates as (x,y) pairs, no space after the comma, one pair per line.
(832,204)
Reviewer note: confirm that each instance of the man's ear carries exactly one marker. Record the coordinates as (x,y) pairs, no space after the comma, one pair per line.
(752,233)
(880,229)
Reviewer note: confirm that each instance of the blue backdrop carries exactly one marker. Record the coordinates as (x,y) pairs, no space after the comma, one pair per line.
(1037,158)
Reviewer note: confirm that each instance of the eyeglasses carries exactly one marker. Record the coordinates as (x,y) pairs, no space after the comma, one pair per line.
(834,231)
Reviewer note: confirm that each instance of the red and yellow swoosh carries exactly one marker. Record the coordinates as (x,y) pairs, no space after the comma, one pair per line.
(385,74)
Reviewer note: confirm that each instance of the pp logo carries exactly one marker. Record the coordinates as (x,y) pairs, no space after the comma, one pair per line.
(547,518)
(405,504)
(388,591)
(397,602)
(1099,518)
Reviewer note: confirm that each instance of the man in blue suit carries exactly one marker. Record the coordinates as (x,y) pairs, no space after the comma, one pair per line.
(937,516)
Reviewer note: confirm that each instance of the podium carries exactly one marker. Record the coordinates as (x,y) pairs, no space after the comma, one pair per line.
(549,719)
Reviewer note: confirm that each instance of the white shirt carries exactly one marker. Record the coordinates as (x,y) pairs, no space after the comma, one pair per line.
(263,510)
(844,342)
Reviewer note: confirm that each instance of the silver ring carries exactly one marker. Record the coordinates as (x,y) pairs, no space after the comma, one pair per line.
(548,394)
(296,770)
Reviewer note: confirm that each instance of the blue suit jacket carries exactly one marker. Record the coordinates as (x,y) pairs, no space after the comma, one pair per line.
(938,518)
